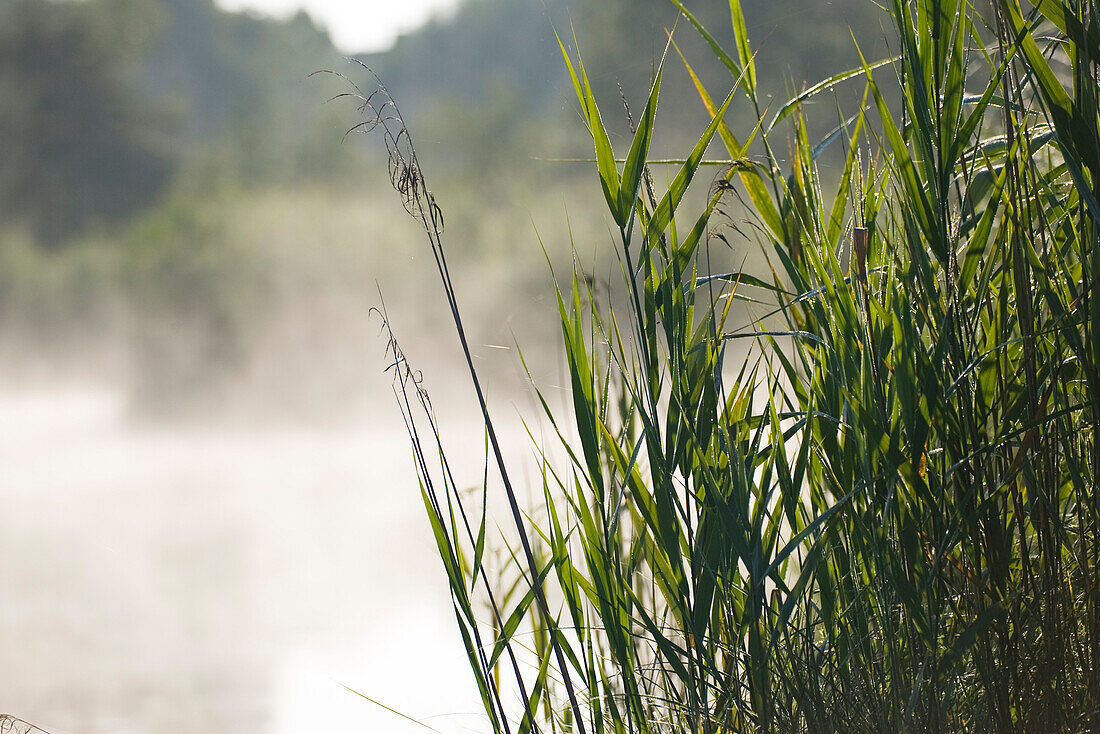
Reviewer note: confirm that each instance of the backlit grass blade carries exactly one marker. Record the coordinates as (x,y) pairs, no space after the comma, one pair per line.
(639,148)
(823,86)
(750,178)
(744,52)
(605,157)
(667,206)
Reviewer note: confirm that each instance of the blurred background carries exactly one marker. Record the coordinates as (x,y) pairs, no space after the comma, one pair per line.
(208,515)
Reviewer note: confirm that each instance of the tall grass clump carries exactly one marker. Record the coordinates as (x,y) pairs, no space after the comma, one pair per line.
(881,516)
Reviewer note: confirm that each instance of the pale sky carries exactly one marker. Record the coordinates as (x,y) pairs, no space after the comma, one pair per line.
(355,25)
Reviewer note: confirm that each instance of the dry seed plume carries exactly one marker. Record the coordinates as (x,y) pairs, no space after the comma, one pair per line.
(380,112)
(11,725)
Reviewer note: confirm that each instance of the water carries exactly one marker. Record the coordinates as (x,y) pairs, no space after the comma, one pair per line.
(162,581)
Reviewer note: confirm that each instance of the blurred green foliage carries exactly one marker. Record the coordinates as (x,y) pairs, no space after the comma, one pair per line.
(107,103)
(493,45)
(79,147)
(144,143)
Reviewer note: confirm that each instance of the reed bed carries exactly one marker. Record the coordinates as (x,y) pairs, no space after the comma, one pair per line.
(883,515)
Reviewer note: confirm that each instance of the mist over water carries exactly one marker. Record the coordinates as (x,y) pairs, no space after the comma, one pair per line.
(177,580)
(209,518)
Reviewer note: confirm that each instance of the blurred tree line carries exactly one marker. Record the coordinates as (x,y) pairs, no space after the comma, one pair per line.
(78,144)
(174,189)
(104,104)
(498,58)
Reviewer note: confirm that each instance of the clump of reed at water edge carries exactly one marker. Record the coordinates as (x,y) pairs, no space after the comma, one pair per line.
(884,516)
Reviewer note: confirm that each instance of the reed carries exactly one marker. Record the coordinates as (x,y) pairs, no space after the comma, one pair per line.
(884,515)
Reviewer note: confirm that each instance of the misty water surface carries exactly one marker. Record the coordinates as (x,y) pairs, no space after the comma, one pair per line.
(171,580)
